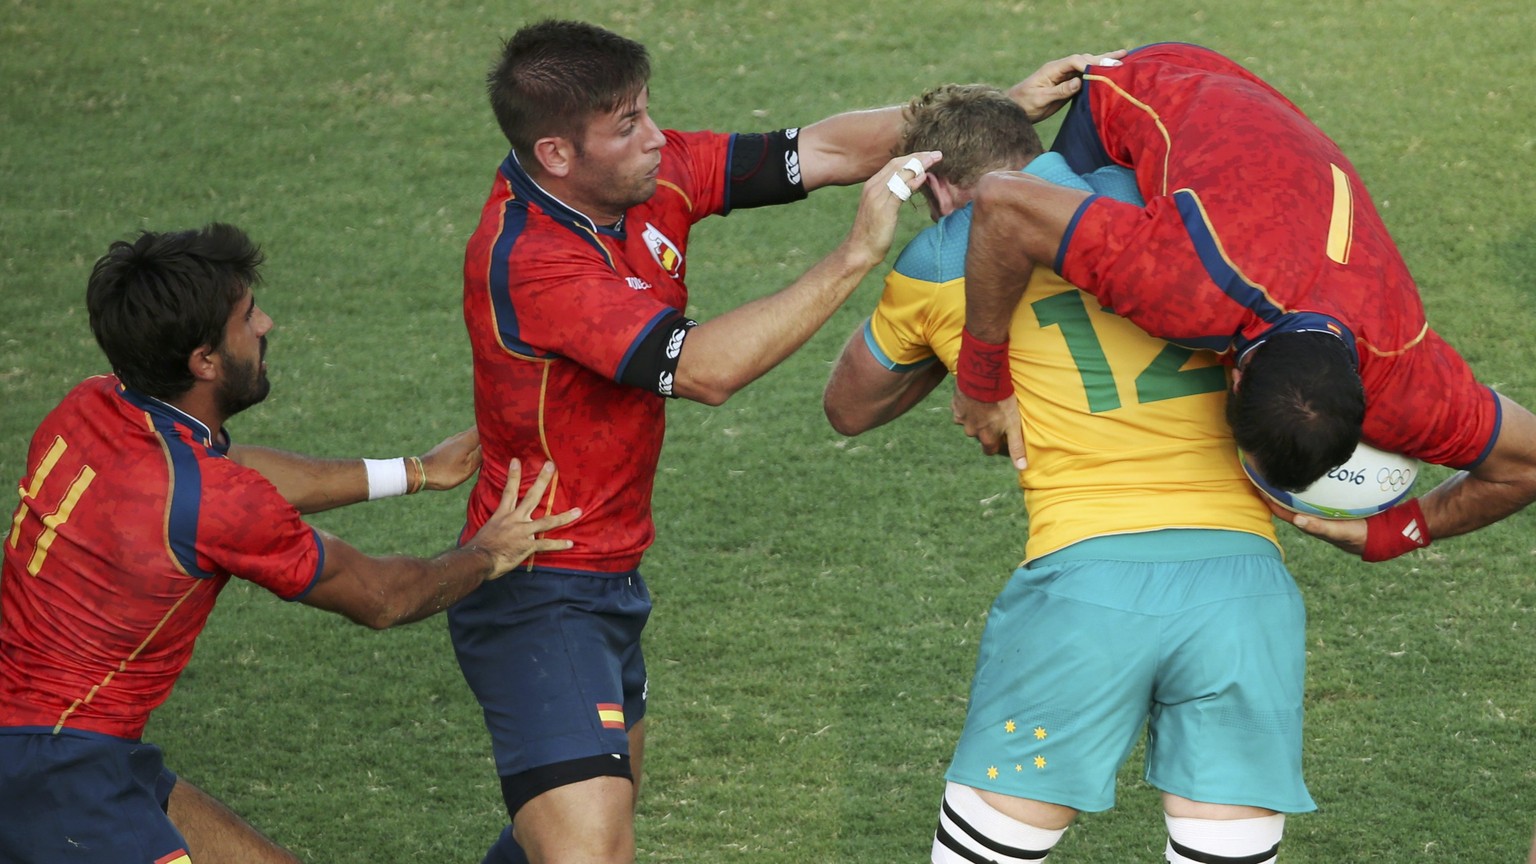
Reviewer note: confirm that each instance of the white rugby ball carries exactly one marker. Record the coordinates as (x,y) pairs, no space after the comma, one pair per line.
(1370,482)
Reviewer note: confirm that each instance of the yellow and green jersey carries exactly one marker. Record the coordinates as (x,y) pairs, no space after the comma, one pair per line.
(1124,433)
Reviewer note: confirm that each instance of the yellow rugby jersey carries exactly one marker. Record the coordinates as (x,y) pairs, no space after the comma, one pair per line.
(1123,432)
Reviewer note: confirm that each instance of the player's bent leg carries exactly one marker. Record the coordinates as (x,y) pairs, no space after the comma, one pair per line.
(588,822)
(975,825)
(216,833)
(1203,833)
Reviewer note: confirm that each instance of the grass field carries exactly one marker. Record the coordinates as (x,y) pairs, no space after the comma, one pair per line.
(818,600)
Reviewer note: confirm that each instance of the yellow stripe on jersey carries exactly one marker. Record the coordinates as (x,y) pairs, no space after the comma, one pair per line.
(1341,228)
(1151,113)
(1123,432)
(50,459)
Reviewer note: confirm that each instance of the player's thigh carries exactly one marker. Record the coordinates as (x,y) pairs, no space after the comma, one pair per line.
(592,820)
(1063,681)
(1226,724)
(84,798)
(216,833)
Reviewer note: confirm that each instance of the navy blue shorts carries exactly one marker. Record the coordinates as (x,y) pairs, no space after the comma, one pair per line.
(554,659)
(83,797)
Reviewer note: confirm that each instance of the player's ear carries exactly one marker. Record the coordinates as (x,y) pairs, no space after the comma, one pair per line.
(555,155)
(203,363)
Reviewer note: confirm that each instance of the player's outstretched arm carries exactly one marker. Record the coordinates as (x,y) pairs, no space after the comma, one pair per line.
(724,354)
(848,148)
(861,394)
(381,592)
(313,484)
(1049,87)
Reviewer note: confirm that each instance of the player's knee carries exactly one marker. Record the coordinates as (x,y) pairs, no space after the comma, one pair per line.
(1224,841)
(971,830)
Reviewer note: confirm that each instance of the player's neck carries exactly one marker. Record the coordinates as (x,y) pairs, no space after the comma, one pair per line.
(201,404)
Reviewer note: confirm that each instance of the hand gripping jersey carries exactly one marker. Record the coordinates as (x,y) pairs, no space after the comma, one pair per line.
(556,307)
(1256,224)
(1124,433)
(131,521)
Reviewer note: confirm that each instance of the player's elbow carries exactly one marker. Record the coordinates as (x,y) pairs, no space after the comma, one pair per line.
(376,616)
(844,419)
(709,386)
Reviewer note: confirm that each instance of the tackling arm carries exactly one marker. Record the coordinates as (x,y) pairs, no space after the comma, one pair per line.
(847,148)
(381,592)
(725,353)
(862,394)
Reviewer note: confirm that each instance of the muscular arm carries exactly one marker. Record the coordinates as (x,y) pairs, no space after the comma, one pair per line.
(1018,220)
(847,148)
(1503,484)
(381,592)
(312,484)
(862,394)
(725,353)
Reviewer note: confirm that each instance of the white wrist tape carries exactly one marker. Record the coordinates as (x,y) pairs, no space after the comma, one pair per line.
(386,478)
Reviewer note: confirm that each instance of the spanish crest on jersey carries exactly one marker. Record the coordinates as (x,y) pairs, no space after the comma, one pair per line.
(663,250)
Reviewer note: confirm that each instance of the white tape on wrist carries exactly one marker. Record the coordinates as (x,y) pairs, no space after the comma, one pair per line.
(898,187)
(386,478)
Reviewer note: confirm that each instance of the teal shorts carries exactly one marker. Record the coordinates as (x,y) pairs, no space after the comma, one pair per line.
(1197,636)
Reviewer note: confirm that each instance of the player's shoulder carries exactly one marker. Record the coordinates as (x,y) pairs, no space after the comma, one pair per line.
(937,253)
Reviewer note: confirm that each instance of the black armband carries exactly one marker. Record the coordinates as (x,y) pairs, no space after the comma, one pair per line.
(765,169)
(653,364)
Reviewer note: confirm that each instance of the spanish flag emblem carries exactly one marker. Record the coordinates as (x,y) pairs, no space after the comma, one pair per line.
(178,857)
(611,714)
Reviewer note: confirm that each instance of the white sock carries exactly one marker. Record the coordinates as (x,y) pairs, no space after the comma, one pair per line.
(968,823)
(1240,841)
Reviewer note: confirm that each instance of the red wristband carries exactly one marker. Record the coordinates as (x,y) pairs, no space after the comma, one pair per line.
(982,371)
(1394,531)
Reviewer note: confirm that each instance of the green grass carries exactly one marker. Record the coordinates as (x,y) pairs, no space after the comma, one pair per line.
(818,600)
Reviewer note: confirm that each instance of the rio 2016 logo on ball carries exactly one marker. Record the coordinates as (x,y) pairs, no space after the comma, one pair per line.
(1370,482)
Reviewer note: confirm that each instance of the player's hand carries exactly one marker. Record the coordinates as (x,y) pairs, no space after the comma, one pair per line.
(1347,534)
(510,535)
(453,461)
(1049,87)
(996,425)
(874,227)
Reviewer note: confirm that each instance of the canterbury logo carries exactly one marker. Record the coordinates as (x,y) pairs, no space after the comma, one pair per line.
(675,344)
(664,386)
(1412,533)
(792,167)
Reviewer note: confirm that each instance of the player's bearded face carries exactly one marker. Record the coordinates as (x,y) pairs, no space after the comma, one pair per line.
(244,384)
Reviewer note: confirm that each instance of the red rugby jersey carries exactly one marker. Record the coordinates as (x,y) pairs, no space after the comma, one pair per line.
(131,521)
(555,305)
(1256,222)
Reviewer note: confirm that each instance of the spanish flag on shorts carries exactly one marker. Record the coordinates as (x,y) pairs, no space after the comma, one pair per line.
(178,857)
(611,714)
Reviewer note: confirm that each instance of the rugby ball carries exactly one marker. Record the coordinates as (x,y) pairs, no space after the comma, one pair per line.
(1369,482)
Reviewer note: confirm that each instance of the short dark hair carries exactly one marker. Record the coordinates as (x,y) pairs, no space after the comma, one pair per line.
(553,76)
(977,127)
(155,300)
(1298,407)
